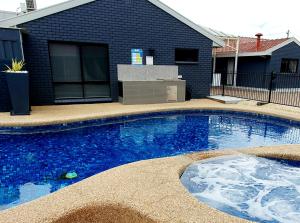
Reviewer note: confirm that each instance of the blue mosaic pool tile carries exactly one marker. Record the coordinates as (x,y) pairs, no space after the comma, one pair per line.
(33,159)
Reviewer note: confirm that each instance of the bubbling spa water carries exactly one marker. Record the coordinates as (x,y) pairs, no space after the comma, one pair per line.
(257,189)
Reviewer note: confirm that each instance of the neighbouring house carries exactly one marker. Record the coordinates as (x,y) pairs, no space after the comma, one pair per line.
(72,49)
(245,59)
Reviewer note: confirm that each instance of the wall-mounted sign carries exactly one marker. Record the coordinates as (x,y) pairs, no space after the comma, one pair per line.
(137,56)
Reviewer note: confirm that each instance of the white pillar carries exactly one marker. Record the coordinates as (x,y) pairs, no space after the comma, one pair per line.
(236,60)
(214,61)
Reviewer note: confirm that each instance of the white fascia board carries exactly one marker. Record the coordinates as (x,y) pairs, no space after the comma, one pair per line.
(201,30)
(215,45)
(254,54)
(11,28)
(225,55)
(20,19)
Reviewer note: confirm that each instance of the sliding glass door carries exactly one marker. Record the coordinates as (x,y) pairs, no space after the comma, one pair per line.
(79,71)
(95,71)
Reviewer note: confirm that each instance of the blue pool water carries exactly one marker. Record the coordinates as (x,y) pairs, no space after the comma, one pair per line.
(257,189)
(33,159)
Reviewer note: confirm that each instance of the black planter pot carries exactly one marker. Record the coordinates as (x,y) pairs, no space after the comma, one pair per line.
(18,87)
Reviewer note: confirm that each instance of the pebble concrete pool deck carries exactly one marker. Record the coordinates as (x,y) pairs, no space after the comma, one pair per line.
(45,115)
(145,191)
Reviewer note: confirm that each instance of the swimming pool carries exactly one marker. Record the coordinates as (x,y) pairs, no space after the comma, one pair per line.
(33,159)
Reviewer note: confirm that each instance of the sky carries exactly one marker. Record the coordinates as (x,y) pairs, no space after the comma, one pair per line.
(273,18)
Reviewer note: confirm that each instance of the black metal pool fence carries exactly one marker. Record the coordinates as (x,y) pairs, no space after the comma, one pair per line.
(278,88)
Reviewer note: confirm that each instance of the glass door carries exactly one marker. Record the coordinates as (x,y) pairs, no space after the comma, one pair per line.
(95,71)
(79,71)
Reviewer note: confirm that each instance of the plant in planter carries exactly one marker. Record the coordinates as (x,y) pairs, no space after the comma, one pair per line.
(18,86)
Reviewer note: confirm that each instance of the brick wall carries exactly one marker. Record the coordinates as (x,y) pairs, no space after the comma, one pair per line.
(10,48)
(4,96)
(123,25)
(290,51)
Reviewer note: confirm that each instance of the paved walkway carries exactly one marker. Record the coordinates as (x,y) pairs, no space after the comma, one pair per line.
(43,115)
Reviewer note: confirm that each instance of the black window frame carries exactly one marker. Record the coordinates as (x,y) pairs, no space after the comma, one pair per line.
(180,60)
(288,60)
(83,82)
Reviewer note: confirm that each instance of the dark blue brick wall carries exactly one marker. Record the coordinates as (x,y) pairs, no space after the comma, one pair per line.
(251,72)
(4,96)
(10,48)
(123,25)
(252,65)
(245,64)
(291,50)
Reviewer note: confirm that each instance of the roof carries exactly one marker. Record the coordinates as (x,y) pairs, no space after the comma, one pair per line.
(6,14)
(219,33)
(248,46)
(74,3)
(29,16)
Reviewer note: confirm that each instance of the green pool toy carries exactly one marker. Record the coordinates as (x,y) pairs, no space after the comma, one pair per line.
(71,175)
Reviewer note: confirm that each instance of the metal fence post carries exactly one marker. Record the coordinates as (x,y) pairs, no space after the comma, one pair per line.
(223,89)
(223,83)
(271,86)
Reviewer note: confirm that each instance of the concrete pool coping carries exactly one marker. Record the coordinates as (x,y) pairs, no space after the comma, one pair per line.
(56,114)
(145,191)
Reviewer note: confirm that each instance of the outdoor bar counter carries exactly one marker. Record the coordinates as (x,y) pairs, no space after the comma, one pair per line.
(150,84)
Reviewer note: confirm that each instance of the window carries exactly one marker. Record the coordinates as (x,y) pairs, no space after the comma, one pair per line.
(289,66)
(79,71)
(188,56)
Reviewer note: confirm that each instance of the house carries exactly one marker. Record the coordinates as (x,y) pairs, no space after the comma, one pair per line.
(245,60)
(72,49)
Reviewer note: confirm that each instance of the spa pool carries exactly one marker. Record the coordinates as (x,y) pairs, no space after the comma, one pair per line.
(257,189)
